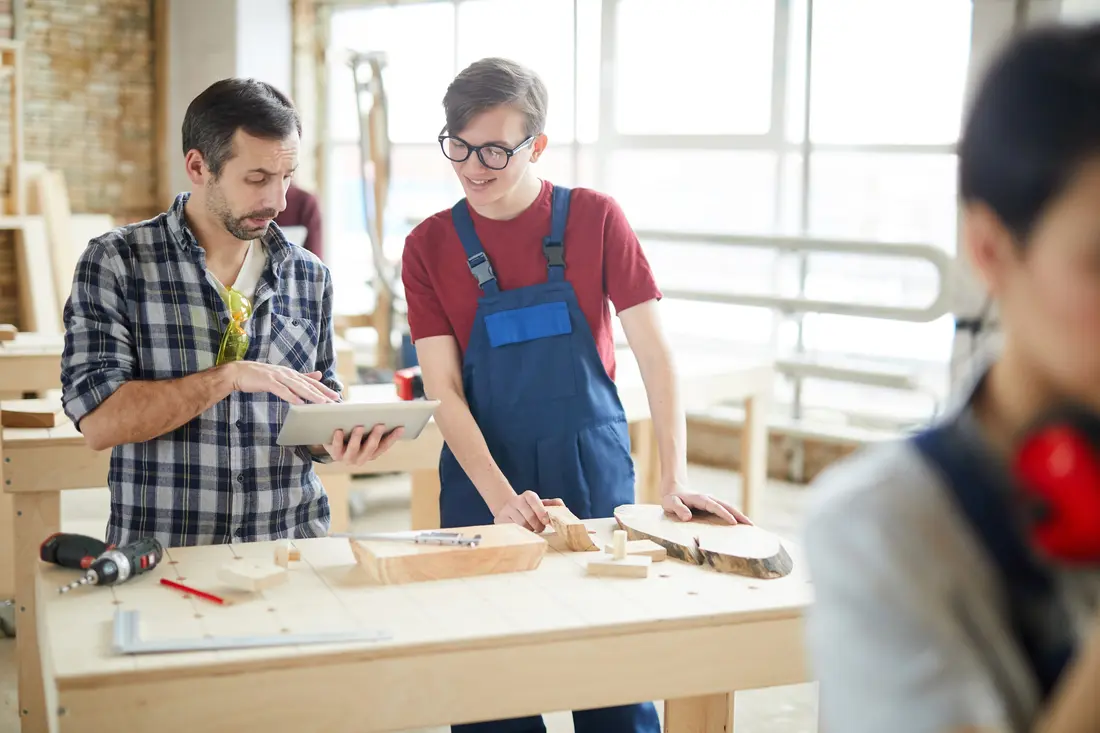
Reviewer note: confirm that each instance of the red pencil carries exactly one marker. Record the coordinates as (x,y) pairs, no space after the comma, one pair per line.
(192,591)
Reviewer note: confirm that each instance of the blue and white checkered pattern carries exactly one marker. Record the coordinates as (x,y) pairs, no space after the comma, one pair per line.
(143,307)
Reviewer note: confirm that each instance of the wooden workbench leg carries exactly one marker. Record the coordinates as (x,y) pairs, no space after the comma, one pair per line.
(647,463)
(754,454)
(37,516)
(425,499)
(338,488)
(7,547)
(704,714)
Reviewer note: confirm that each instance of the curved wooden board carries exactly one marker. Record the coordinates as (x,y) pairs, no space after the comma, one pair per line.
(572,530)
(706,540)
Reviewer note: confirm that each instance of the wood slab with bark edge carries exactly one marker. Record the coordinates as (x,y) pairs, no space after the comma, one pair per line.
(573,530)
(504,548)
(707,540)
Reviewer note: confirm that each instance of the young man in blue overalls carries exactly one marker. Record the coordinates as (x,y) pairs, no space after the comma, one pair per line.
(508,296)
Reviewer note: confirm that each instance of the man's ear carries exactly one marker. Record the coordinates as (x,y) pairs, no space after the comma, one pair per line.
(989,245)
(538,147)
(197,172)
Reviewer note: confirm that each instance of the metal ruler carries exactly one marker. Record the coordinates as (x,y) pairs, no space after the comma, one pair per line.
(420,538)
(127,639)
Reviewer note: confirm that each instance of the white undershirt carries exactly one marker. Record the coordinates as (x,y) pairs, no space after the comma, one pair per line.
(251,271)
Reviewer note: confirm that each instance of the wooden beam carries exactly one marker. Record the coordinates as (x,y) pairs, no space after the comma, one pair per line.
(19,20)
(11,57)
(161,81)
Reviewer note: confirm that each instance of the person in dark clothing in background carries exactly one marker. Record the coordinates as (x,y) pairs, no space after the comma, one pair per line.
(303,210)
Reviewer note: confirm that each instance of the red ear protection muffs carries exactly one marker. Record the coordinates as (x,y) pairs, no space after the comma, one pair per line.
(1057,461)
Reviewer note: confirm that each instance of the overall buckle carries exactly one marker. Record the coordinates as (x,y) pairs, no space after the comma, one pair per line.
(554,251)
(482,269)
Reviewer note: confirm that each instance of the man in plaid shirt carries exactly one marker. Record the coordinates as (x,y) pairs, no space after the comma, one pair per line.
(188,336)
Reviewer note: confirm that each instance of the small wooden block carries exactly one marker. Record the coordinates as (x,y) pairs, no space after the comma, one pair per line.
(30,413)
(631,566)
(618,544)
(295,553)
(649,548)
(575,532)
(282,553)
(8,332)
(251,576)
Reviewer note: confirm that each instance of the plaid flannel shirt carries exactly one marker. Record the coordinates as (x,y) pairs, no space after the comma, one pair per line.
(143,307)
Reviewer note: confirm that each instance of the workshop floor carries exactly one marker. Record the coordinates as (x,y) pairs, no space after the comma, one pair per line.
(382,503)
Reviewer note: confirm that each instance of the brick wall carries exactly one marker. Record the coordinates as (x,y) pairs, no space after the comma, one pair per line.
(90,101)
(89,108)
(7,20)
(7,253)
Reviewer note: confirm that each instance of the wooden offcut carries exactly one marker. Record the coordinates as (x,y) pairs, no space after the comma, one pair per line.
(648,548)
(30,414)
(608,566)
(707,540)
(571,529)
(252,576)
(504,548)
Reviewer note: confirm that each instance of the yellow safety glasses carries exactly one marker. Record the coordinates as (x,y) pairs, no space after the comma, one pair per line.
(235,341)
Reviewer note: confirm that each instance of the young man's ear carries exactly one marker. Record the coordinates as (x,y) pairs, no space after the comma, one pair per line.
(538,147)
(989,245)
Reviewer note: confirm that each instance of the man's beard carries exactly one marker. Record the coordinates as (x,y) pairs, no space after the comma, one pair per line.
(238,226)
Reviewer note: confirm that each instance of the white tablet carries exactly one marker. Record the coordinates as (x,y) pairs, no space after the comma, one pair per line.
(314,424)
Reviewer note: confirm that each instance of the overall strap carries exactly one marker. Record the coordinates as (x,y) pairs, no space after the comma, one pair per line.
(553,246)
(478,262)
(1037,616)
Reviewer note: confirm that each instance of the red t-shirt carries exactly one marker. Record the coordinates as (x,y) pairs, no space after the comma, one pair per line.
(603,261)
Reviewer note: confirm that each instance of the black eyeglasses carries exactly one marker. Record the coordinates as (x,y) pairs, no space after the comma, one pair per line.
(494,157)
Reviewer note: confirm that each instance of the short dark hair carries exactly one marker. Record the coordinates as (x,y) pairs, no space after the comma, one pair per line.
(492,82)
(1034,121)
(228,105)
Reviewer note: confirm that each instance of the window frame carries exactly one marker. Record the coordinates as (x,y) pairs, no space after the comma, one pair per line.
(786,100)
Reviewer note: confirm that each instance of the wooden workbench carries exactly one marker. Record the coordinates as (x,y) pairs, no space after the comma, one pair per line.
(458,647)
(30,363)
(39,464)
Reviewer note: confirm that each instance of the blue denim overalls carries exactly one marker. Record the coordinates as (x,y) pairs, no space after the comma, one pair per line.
(550,414)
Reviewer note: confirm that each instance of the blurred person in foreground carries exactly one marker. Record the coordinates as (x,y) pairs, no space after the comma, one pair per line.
(925,618)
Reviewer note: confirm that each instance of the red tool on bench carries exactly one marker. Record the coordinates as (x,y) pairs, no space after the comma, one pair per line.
(409,383)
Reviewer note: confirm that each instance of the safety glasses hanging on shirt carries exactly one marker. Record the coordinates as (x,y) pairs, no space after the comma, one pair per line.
(493,157)
(235,340)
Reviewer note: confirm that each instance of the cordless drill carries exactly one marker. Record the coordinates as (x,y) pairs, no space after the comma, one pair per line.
(117,565)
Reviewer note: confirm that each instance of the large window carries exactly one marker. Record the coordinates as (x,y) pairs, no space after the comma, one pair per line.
(700,116)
